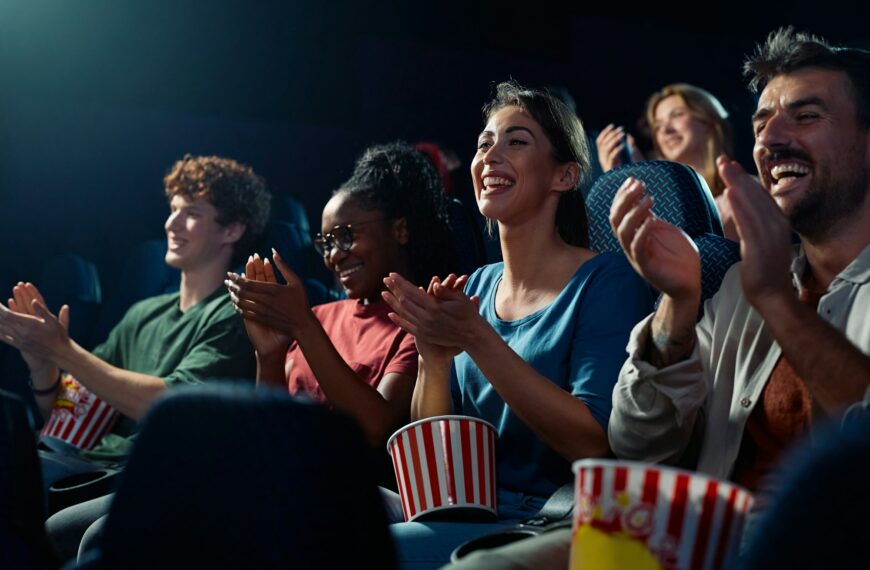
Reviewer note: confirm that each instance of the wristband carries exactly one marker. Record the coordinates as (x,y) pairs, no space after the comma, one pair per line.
(50,390)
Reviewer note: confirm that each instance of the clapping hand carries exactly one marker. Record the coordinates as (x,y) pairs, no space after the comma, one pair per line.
(29,326)
(764,232)
(441,318)
(660,252)
(272,311)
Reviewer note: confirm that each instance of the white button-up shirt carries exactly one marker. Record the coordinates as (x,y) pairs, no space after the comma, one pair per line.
(693,413)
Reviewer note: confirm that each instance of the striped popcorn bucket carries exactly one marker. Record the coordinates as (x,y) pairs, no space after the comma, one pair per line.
(642,516)
(78,417)
(445,468)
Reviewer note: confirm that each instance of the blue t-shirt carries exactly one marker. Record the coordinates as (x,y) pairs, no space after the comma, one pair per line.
(578,342)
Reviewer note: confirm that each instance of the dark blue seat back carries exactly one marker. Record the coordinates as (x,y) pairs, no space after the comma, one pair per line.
(681,197)
(73,280)
(144,274)
(287,209)
(228,477)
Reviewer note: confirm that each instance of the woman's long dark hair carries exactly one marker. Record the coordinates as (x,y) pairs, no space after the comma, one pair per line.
(401,182)
(568,140)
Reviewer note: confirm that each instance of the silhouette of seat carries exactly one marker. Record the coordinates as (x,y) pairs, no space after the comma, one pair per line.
(230,477)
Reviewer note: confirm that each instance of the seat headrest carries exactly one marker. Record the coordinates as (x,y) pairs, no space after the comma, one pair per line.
(680,195)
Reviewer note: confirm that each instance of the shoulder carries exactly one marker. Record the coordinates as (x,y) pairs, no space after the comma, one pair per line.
(152,305)
(218,307)
(609,285)
(484,278)
(609,269)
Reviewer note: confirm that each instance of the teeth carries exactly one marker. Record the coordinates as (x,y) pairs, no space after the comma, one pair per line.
(352,270)
(781,170)
(497,181)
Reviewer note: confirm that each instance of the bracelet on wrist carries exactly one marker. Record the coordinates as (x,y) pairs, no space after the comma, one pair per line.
(46,391)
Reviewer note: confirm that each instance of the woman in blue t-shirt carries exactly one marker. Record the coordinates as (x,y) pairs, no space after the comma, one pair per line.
(534,344)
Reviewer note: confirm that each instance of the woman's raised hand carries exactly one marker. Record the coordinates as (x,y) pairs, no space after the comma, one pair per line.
(442,318)
(660,252)
(611,142)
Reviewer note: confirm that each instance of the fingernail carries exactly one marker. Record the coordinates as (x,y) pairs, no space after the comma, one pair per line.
(275,253)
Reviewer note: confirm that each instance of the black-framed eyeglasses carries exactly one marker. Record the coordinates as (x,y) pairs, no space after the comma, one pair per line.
(340,236)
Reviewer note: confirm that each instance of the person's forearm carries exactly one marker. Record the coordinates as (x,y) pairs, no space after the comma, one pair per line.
(835,371)
(344,389)
(672,334)
(130,393)
(561,420)
(41,379)
(270,370)
(432,392)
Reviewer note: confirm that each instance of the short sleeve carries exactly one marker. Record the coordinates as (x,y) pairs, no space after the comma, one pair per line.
(616,300)
(404,361)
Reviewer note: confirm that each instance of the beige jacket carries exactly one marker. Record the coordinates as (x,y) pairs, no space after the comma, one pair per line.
(693,413)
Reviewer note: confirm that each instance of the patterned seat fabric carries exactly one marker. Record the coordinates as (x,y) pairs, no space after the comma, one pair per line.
(681,198)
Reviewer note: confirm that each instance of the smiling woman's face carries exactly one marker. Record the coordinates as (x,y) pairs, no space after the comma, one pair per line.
(680,135)
(375,250)
(513,169)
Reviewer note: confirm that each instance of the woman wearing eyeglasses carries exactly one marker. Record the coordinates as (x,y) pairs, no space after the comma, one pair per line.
(390,216)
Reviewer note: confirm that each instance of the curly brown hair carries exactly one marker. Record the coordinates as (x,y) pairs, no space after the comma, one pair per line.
(234,189)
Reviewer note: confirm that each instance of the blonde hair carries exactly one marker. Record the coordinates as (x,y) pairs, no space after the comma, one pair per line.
(707,109)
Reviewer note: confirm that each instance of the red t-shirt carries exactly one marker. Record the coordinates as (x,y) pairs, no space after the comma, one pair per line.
(364,337)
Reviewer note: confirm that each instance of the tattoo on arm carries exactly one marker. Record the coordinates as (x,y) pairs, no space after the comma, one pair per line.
(667,347)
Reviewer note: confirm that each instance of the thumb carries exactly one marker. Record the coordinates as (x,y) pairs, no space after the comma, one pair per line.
(730,170)
(63,317)
(286,272)
(476,300)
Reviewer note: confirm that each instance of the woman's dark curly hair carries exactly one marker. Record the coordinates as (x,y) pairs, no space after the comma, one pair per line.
(400,182)
(234,189)
(568,141)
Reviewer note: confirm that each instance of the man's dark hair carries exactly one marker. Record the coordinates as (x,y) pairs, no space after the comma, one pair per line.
(786,50)
(234,189)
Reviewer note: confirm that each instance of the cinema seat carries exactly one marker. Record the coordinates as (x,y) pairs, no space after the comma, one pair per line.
(681,197)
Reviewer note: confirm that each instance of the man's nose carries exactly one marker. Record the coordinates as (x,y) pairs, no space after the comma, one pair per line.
(775,132)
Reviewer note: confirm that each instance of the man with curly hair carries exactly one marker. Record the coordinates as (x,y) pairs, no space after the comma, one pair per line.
(218,207)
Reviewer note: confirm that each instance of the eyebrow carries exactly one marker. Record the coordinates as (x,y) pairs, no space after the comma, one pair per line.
(510,130)
(519,128)
(791,106)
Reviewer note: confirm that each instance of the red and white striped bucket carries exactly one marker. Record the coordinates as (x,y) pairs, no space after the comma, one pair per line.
(639,516)
(78,417)
(445,465)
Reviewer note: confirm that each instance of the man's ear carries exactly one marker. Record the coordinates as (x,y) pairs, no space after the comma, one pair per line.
(400,230)
(566,177)
(233,232)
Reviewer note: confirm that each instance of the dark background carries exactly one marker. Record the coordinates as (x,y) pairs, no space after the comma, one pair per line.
(99,98)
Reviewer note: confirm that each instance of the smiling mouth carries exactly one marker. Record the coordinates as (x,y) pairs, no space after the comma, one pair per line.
(491,183)
(782,171)
(345,273)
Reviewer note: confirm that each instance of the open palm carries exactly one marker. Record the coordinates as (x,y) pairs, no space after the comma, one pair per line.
(666,257)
